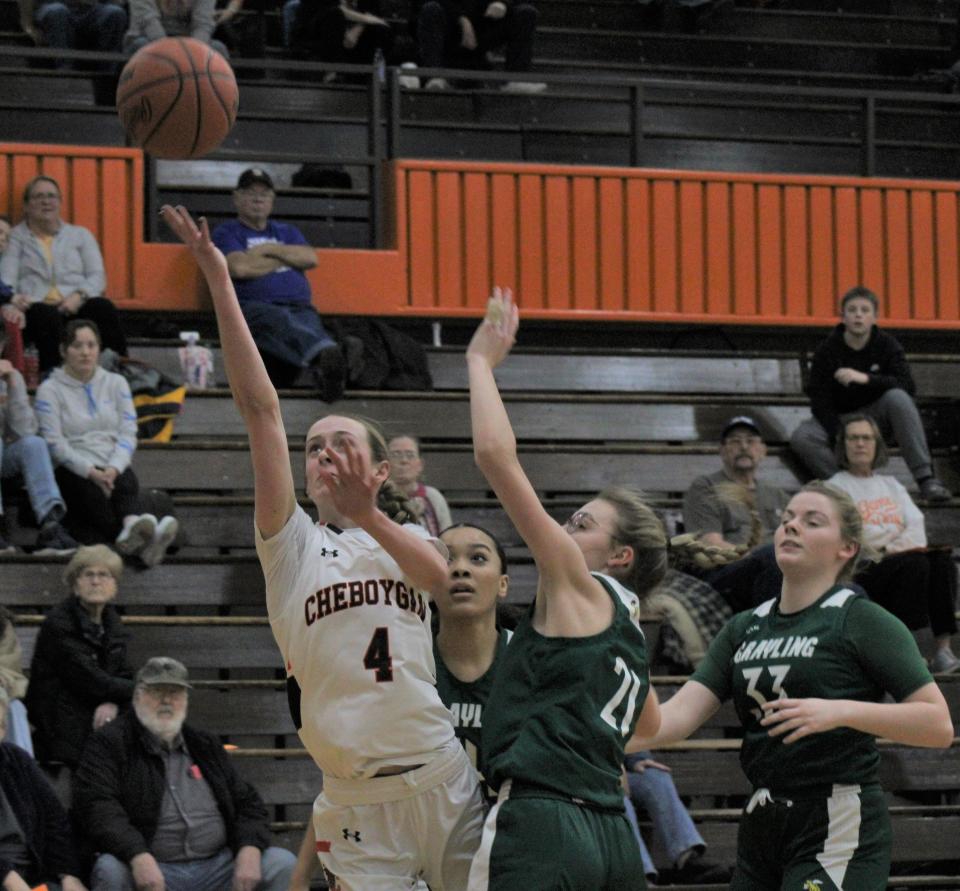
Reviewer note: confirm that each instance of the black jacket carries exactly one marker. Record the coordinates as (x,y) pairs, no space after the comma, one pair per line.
(882,359)
(42,818)
(119,785)
(72,672)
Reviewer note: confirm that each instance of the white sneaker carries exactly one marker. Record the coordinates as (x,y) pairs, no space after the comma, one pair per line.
(437,83)
(523,87)
(409,81)
(944,662)
(136,534)
(163,537)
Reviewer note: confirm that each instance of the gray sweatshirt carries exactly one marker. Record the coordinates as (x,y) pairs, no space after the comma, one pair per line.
(16,417)
(87,425)
(77,263)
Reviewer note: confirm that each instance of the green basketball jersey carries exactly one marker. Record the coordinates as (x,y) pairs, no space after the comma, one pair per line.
(467,700)
(843,646)
(562,708)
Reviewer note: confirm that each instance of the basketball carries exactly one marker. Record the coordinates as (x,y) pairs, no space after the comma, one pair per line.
(177,98)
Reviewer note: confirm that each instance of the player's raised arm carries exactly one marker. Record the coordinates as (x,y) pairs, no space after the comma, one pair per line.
(254,394)
(560,563)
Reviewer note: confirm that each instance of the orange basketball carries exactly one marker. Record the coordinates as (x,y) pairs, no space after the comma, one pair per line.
(177,98)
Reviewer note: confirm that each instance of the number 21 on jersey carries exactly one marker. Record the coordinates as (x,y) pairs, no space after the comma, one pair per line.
(631,685)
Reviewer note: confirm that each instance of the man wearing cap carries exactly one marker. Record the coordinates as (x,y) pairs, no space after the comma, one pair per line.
(860,368)
(728,522)
(267,260)
(162,805)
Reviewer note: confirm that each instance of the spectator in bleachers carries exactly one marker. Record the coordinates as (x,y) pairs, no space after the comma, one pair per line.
(25,454)
(808,672)
(461,34)
(406,468)
(916,583)
(56,272)
(163,805)
(38,849)
(860,368)
(79,675)
(13,682)
(74,24)
(267,260)
(88,419)
(652,791)
(726,522)
(734,513)
(338,31)
(153,19)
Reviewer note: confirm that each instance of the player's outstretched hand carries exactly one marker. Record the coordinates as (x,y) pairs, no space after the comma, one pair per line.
(350,481)
(801,717)
(195,237)
(495,337)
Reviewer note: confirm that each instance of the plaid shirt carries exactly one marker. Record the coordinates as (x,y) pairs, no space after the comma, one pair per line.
(708,610)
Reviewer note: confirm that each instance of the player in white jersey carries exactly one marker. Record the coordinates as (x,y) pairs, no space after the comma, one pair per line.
(348,603)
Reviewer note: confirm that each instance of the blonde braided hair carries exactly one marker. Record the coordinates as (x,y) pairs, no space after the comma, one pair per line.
(688,552)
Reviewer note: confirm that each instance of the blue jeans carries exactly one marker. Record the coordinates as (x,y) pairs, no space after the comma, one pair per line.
(99,27)
(654,792)
(211,874)
(649,870)
(292,333)
(29,457)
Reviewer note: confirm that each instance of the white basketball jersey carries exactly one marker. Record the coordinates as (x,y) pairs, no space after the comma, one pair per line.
(355,638)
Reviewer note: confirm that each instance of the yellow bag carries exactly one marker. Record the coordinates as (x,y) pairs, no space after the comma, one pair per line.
(156,413)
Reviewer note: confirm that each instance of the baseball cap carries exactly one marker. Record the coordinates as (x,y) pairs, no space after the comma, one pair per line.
(163,670)
(740,421)
(254,175)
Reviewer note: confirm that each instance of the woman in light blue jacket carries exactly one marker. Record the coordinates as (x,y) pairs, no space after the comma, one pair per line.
(87,417)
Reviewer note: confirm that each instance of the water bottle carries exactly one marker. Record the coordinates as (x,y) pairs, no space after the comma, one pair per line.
(379,66)
(31,367)
(196,361)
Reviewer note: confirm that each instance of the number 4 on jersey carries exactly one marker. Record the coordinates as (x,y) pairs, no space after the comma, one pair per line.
(378,658)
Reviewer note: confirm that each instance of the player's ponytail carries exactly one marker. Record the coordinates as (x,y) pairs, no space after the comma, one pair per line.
(393,501)
(689,553)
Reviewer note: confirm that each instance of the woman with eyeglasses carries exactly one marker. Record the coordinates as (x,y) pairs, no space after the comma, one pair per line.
(574,681)
(79,675)
(916,583)
(406,470)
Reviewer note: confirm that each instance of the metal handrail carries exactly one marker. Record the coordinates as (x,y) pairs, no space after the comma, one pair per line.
(385,124)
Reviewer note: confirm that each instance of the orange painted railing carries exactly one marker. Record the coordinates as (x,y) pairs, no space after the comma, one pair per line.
(574,242)
(102,190)
(657,245)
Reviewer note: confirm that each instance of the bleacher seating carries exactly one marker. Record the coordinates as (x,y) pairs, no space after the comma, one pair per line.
(581,422)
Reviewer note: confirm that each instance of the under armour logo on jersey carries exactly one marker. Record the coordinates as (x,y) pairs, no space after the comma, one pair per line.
(348,833)
(331,553)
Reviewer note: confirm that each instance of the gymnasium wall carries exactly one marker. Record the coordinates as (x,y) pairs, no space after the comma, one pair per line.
(575,242)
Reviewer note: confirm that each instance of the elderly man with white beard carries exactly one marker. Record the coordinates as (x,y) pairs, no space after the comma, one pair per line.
(162,805)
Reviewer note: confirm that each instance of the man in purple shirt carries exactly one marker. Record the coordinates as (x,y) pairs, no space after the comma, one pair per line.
(267,260)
